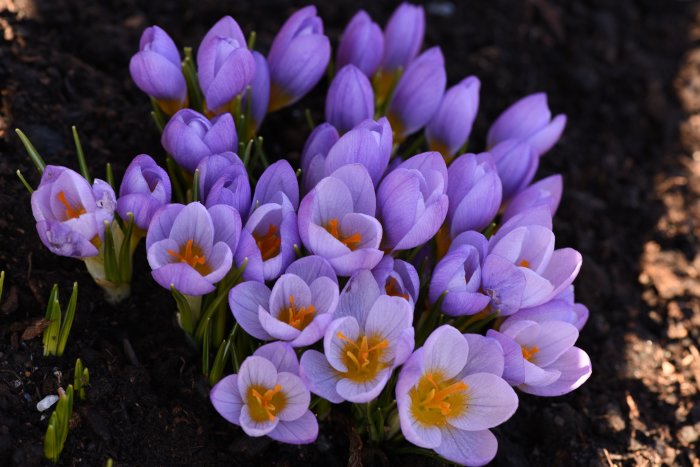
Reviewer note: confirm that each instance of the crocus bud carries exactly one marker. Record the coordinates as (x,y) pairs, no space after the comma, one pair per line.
(362,44)
(190,137)
(298,58)
(157,71)
(474,190)
(546,192)
(260,93)
(516,163)
(224,180)
(412,201)
(418,94)
(70,214)
(145,188)
(451,125)
(403,36)
(313,157)
(398,278)
(528,119)
(350,99)
(225,66)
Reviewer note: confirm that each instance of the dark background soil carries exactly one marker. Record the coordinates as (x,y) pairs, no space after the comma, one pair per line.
(624,71)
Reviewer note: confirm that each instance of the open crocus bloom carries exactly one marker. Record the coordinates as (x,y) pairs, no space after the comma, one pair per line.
(450,392)
(145,188)
(297,310)
(371,336)
(398,278)
(267,397)
(191,247)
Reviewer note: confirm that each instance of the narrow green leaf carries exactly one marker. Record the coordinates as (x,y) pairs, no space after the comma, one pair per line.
(125,260)
(260,152)
(222,293)
(31,151)
(251,40)
(158,120)
(217,368)
(195,186)
(24,182)
(309,119)
(110,255)
(183,307)
(53,314)
(67,321)
(247,152)
(194,93)
(173,171)
(109,175)
(81,155)
(50,447)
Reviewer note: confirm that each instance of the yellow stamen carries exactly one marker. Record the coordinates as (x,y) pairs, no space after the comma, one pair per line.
(351,241)
(530,352)
(434,399)
(268,243)
(193,255)
(524,263)
(363,357)
(71,212)
(265,404)
(392,288)
(298,317)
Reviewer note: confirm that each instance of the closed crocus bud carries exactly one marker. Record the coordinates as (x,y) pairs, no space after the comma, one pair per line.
(157,71)
(418,94)
(546,192)
(190,137)
(403,36)
(451,125)
(225,66)
(362,44)
(350,99)
(224,180)
(298,58)
(313,157)
(145,188)
(260,93)
(70,214)
(516,163)
(528,119)
(474,190)
(412,201)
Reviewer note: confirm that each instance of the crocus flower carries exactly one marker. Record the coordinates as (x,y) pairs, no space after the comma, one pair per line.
(418,94)
(546,192)
(313,156)
(224,180)
(457,277)
(403,36)
(225,66)
(371,335)
(298,58)
(451,125)
(397,278)
(156,70)
(190,137)
(145,188)
(336,221)
(350,99)
(412,201)
(267,397)
(191,247)
(369,144)
(279,178)
(474,190)
(70,214)
(362,44)
(516,163)
(531,120)
(450,392)
(540,357)
(560,308)
(295,310)
(260,93)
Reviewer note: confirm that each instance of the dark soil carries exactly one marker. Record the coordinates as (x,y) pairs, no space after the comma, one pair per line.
(624,71)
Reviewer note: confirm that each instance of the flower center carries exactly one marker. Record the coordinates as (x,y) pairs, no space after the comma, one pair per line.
(297,317)
(392,288)
(264,404)
(524,263)
(434,399)
(363,357)
(268,243)
(71,212)
(351,241)
(529,352)
(193,255)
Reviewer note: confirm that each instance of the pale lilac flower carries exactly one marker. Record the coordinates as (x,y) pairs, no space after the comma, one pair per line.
(546,192)
(224,180)
(267,397)
(70,214)
(145,188)
(362,44)
(397,278)
(451,125)
(371,335)
(450,392)
(403,36)
(313,156)
(350,99)
(259,93)
(516,163)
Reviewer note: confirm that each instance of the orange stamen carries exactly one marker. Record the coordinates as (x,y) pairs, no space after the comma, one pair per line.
(265,401)
(529,352)
(392,288)
(351,241)
(268,243)
(191,255)
(71,212)
(359,354)
(297,317)
(436,396)
(524,263)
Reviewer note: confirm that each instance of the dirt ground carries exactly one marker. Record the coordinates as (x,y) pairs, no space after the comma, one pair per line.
(627,74)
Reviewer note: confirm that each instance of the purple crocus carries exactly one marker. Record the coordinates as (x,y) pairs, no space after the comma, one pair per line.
(451,125)
(560,308)
(298,58)
(474,190)
(531,120)
(313,156)
(350,99)
(369,144)
(156,70)
(225,66)
(278,179)
(191,247)
(418,94)
(260,93)
(450,392)
(397,278)
(412,201)
(362,44)
(224,180)
(403,37)
(540,357)
(516,163)
(546,192)
(267,397)
(70,214)
(145,188)
(371,335)
(190,137)
(336,221)
(297,310)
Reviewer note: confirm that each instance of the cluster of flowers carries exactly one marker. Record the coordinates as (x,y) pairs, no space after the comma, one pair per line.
(427,286)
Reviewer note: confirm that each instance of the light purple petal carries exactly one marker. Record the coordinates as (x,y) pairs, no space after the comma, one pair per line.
(491,402)
(575,368)
(244,301)
(319,376)
(256,371)
(281,355)
(445,351)
(468,447)
(303,430)
(296,395)
(226,399)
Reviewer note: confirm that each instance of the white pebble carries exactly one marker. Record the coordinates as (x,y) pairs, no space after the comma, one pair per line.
(46,402)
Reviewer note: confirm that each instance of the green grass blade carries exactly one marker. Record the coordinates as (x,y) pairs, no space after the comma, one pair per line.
(50,438)
(195,186)
(217,368)
(183,307)
(125,266)
(110,255)
(109,175)
(81,155)
(67,321)
(24,182)
(31,151)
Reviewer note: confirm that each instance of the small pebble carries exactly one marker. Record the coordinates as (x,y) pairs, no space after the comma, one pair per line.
(46,402)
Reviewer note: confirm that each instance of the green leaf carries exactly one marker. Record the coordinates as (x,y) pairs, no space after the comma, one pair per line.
(24,182)
(157,119)
(67,321)
(194,93)
(217,368)
(183,307)
(31,151)
(173,171)
(110,255)
(81,155)
(222,293)
(52,331)
(125,260)
(195,186)
(51,450)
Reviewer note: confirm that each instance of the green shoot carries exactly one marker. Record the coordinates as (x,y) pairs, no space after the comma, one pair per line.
(24,182)
(57,431)
(56,334)
(81,155)
(81,379)
(31,151)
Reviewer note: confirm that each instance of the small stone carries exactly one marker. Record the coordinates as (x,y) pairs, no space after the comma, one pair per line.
(688,435)
(46,402)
